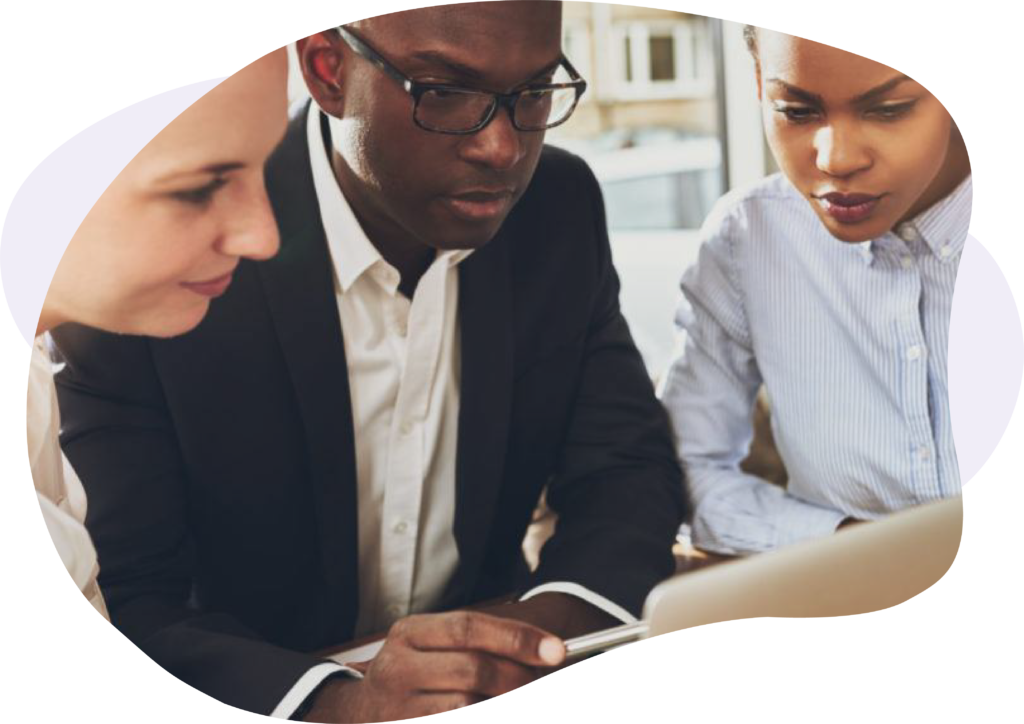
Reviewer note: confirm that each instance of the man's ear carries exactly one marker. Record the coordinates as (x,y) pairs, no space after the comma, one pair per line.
(320,59)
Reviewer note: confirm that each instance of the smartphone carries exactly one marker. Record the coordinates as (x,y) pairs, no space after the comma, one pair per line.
(604,640)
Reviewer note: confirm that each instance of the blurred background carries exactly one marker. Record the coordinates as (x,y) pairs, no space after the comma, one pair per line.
(669,122)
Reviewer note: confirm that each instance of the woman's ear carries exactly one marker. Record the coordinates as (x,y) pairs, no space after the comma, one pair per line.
(320,59)
(757,77)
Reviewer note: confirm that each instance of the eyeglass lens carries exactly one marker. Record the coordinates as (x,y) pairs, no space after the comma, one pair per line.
(455,110)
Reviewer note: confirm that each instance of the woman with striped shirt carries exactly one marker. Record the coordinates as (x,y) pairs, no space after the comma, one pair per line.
(830,284)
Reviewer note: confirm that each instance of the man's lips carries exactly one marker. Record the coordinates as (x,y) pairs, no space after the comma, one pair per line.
(480,204)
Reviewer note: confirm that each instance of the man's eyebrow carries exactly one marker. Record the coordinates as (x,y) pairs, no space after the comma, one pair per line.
(550,67)
(864,97)
(465,71)
(438,58)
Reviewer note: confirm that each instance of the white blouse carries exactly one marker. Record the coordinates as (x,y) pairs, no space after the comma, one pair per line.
(61,495)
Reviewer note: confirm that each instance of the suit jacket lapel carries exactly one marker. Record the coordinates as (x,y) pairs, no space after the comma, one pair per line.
(485,313)
(299,286)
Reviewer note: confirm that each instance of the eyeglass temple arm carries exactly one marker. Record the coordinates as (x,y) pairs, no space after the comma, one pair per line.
(373,56)
(573,73)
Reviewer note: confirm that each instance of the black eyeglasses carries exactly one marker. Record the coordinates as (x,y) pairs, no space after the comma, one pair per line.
(443,108)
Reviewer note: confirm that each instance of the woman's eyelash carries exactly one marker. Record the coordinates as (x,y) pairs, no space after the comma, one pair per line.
(202,194)
(893,111)
(797,114)
(804,114)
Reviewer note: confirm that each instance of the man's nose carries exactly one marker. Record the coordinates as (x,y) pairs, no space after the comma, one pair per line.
(840,151)
(498,145)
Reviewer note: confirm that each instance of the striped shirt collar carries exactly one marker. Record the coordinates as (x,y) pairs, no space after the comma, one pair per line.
(942,227)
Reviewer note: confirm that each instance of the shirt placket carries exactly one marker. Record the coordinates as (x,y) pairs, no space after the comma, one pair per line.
(912,361)
(420,324)
(936,311)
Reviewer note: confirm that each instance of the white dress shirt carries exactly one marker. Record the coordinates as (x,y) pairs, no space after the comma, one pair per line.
(403,359)
(60,493)
(850,341)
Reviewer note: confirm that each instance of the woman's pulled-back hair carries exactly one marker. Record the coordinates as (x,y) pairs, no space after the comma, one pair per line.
(750,36)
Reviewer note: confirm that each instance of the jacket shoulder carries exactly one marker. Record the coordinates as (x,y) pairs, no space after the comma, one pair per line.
(563,194)
(562,169)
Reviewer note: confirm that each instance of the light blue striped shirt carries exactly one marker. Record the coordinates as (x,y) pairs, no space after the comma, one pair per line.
(850,342)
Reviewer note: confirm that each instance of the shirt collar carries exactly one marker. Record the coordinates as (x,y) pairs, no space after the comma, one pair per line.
(352,252)
(942,227)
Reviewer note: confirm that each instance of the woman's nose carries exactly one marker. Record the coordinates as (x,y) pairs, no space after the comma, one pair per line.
(252,232)
(839,151)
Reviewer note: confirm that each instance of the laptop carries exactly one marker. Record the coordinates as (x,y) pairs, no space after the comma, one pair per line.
(863,568)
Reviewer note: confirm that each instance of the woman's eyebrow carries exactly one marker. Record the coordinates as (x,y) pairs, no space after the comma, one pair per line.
(866,96)
(881,89)
(219,168)
(216,169)
(795,91)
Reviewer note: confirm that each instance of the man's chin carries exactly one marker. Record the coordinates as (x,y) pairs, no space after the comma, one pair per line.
(463,237)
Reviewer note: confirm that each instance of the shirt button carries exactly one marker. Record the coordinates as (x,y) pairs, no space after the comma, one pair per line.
(400,527)
(946,251)
(914,352)
(396,328)
(395,611)
(924,452)
(907,262)
(908,233)
(406,428)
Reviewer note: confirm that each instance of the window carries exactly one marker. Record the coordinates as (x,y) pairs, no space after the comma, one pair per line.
(663,59)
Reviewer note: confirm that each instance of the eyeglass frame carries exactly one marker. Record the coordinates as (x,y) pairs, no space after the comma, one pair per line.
(417,89)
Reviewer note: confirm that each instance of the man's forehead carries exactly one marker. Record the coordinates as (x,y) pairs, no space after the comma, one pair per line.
(504,24)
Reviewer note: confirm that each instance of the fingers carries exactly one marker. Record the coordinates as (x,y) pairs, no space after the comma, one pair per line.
(437,662)
(438,703)
(361,666)
(468,630)
(475,673)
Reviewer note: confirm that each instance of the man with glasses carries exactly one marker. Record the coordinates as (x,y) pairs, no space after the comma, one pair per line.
(362,427)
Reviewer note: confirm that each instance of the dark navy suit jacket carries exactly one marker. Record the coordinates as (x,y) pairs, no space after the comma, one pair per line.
(220,465)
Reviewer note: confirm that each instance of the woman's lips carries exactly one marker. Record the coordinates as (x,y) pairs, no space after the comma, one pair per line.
(211,287)
(479,205)
(848,208)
